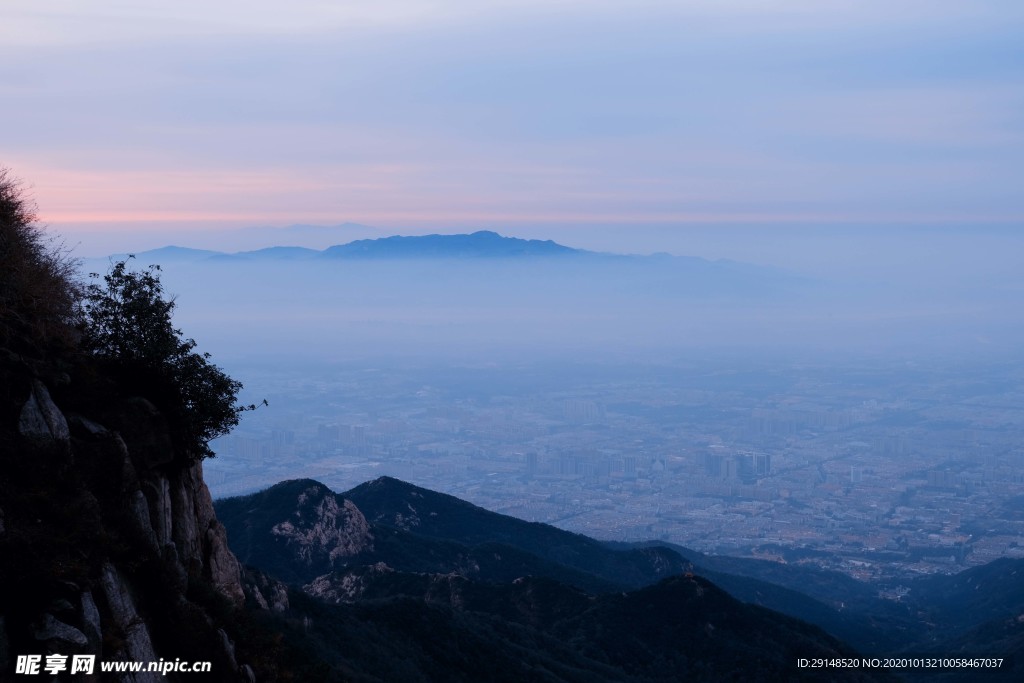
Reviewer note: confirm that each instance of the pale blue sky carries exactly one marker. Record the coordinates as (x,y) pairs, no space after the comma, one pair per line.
(450,115)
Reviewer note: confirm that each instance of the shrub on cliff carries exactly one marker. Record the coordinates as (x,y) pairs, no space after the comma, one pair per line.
(39,291)
(124,323)
(129,329)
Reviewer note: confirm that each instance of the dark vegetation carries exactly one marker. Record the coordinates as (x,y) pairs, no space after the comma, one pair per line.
(64,501)
(449,591)
(39,294)
(120,330)
(627,639)
(418,530)
(38,316)
(440,553)
(944,615)
(443,517)
(128,329)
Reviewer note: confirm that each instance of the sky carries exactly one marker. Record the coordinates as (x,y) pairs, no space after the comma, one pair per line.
(631,126)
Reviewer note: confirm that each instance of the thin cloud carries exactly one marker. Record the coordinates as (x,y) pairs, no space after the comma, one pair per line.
(576,111)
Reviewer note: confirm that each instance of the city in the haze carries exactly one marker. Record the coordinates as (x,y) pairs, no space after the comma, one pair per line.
(866,424)
(880,468)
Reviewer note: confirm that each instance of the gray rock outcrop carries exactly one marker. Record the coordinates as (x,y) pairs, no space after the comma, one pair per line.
(60,636)
(40,418)
(133,487)
(324,530)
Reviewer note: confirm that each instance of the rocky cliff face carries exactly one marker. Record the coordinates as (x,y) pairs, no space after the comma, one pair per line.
(109,544)
(320,530)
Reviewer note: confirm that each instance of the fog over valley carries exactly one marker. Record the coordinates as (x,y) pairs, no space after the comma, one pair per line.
(952,299)
(863,419)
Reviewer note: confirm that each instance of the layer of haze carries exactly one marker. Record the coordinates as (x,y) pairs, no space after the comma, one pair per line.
(961,298)
(869,151)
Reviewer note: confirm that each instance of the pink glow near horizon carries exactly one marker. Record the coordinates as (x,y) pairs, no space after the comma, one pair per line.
(83,201)
(588,113)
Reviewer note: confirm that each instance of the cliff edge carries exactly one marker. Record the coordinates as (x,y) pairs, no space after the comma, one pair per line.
(109,545)
(109,540)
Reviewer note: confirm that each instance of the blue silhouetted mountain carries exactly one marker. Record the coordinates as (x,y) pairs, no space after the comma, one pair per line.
(992,592)
(168,254)
(482,244)
(416,530)
(403,583)
(387,542)
(844,607)
(395,503)
(669,273)
(271,254)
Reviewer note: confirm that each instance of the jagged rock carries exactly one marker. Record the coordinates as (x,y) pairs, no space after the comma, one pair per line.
(228,648)
(112,473)
(128,477)
(144,429)
(40,419)
(348,586)
(258,598)
(86,427)
(91,621)
(158,494)
(205,514)
(270,594)
(61,635)
(137,643)
(140,513)
(186,522)
(247,674)
(222,565)
(168,507)
(278,597)
(330,589)
(331,530)
(200,539)
(178,577)
(122,609)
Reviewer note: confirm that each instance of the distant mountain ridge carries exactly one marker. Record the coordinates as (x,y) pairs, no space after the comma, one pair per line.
(480,244)
(660,272)
(483,244)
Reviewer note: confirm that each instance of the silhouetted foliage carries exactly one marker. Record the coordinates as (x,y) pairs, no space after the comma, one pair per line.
(39,291)
(129,328)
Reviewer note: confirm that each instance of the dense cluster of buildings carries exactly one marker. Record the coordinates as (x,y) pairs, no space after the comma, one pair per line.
(919,473)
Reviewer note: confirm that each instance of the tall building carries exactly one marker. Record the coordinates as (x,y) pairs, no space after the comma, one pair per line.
(629,466)
(762,464)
